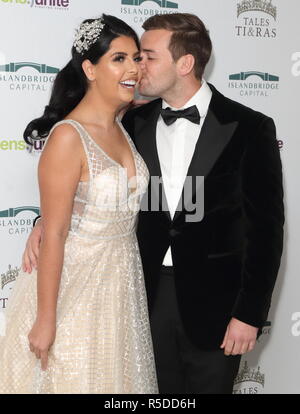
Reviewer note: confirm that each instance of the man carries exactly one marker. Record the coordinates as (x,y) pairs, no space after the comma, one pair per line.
(209,280)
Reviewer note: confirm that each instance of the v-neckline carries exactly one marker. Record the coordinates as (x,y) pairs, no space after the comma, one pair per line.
(106,155)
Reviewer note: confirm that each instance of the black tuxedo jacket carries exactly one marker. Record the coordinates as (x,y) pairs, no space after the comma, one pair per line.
(226,264)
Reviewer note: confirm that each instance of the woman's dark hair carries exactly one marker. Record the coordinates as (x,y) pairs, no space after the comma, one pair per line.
(71,84)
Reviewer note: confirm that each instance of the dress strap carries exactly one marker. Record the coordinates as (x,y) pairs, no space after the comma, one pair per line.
(81,133)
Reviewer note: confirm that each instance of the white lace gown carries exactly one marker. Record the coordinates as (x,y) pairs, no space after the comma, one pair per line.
(103,342)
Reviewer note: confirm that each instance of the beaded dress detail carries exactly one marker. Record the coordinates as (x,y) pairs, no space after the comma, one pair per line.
(103,341)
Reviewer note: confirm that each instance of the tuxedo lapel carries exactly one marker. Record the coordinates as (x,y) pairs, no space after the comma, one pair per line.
(216,132)
(145,133)
(213,139)
(145,138)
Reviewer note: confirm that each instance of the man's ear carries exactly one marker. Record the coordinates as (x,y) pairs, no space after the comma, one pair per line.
(89,69)
(185,64)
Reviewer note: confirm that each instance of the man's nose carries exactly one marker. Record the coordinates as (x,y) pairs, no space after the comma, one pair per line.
(143,65)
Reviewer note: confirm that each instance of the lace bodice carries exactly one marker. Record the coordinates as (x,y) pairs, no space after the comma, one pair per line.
(106,206)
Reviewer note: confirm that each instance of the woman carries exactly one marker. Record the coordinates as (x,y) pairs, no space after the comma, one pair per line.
(80,323)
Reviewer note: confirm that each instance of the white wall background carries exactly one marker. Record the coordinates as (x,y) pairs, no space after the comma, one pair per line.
(41,32)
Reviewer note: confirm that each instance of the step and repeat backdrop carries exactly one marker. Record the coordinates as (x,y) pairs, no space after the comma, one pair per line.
(256,61)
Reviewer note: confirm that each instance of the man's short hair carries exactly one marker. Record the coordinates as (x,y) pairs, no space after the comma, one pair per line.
(189,36)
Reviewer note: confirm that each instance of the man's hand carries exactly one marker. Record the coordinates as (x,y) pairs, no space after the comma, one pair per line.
(31,252)
(239,338)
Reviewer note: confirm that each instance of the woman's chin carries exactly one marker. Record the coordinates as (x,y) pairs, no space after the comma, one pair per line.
(127,98)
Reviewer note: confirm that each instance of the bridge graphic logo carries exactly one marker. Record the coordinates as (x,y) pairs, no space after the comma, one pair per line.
(254,83)
(266,77)
(264,6)
(161,3)
(40,67)
(13,212)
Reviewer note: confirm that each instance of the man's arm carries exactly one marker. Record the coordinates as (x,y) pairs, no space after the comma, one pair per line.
(264,217)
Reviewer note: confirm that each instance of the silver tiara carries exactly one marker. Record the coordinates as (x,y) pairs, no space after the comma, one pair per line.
(87,35)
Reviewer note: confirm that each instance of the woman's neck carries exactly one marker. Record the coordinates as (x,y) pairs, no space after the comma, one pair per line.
(94,110)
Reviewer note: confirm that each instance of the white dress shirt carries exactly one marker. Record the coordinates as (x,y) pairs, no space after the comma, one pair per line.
(175,146)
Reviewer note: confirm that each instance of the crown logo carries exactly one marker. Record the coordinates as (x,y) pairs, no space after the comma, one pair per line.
(265,6)
(249,375)
(10,276)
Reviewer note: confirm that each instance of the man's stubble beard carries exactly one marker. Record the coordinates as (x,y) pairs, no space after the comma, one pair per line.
(144,92)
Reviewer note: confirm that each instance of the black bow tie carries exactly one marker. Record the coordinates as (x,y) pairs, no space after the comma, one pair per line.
(170,116)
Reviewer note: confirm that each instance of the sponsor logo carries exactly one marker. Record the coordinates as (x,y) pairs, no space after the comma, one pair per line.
(19,220)
(296,65)
(48,4)
(253,87)
(256,18)
(266,330)
(139,10)
(21,76)
(12,145)
(41,68)
(257,5)
(161,3)
(3,303)
(13,212)
(249,381)
(6,278)
(264,76)
(10,276)
(296,325)
(280,144)
(20,145)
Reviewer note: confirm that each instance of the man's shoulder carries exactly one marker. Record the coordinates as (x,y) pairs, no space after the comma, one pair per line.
(235,110)
(144,109)
(142,113)
(245,112)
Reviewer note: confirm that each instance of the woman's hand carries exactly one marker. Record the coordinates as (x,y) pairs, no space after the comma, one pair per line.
(41,338)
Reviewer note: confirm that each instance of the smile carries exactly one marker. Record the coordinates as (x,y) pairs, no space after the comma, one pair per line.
(128,84)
